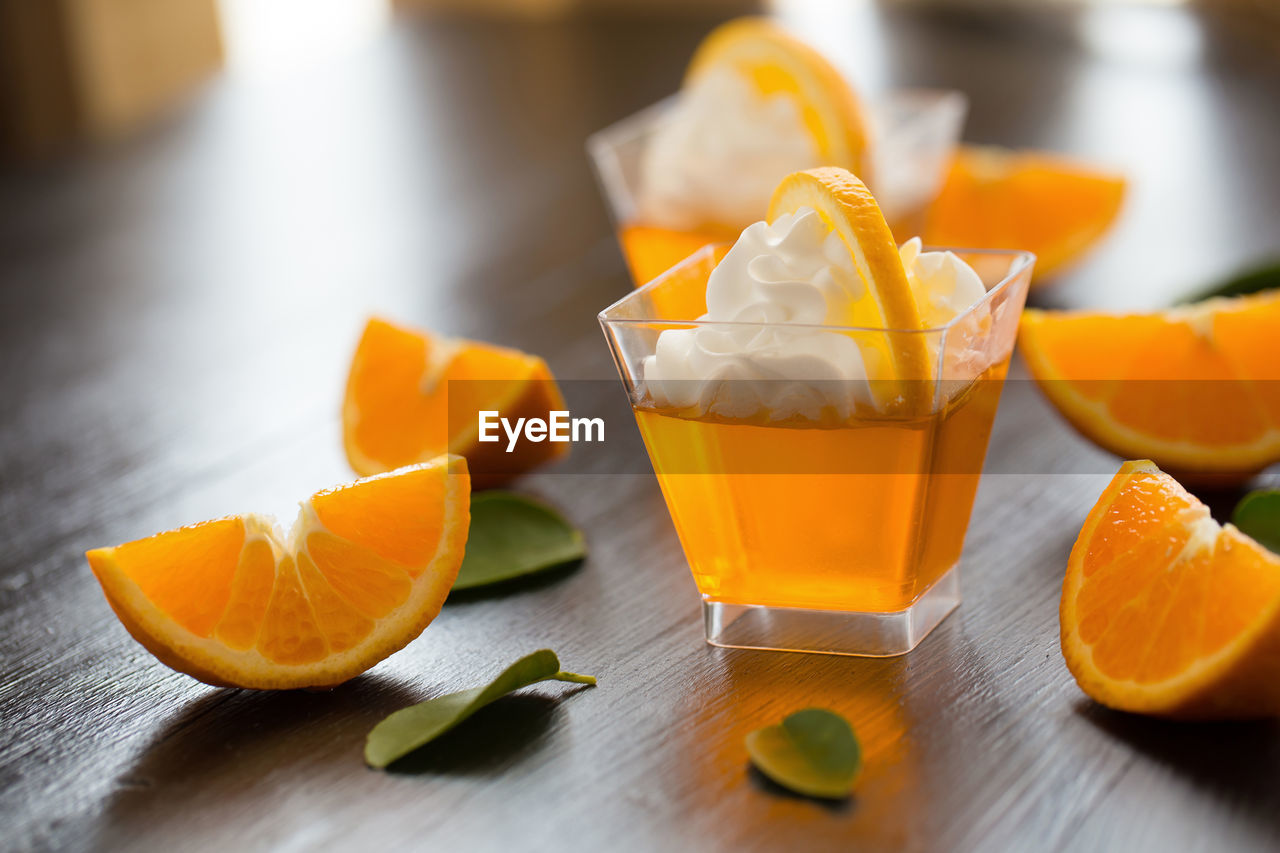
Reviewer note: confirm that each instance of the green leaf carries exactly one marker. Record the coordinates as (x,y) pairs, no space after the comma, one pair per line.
(1265,276)
(812,752)
(416,726)
(511,536)
(1258,516)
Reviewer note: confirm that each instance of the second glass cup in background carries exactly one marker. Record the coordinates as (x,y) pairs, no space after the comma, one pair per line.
(913,136)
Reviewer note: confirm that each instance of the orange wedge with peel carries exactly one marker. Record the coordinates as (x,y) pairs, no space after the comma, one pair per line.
(778,63)
(412,395)
(1166,612)
(886,300)
(1195,388)
(235,603)
(995,198)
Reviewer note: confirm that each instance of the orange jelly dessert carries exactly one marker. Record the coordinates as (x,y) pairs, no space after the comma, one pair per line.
(816,403)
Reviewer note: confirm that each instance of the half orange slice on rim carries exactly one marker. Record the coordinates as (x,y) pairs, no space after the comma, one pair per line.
(900,364)
(778,63)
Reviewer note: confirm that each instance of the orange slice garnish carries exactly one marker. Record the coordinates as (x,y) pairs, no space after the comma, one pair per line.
(412,395)
(1195,388)
(778,63)
(1166,612)
(231,602)
(886,300)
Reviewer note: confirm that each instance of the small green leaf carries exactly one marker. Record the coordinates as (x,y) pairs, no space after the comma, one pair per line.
(812,752)
(1265,276)
(1258,516)
(512,535)
(416,726)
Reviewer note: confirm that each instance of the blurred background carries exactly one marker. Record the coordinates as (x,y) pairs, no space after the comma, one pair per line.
(97,69)
(273,121)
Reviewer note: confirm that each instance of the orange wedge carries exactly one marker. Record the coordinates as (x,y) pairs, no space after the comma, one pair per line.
(412,395)
(778,63)
(886,300)
(1166,612)
(995,198)
(1195,388)
(234,603)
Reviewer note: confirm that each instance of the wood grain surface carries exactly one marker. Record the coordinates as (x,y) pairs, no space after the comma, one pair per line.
(176,317)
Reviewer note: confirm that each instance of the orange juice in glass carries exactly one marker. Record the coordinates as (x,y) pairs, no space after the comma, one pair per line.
(820,477)
(758,104)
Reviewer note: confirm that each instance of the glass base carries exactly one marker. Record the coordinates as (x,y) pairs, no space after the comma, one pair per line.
(831,632)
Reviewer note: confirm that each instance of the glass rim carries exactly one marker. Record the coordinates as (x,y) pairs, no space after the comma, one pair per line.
(627,127)
(1021,262)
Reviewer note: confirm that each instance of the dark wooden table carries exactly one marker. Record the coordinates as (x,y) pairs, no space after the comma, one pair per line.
(176,317)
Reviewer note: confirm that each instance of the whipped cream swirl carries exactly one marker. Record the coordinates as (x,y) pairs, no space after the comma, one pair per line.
(944,286)
(793,272)
(774,290)
(719,154)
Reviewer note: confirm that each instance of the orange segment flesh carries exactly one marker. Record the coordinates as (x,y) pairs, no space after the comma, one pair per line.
(215,544)
(241,619)
(402,525)
(231,602)
(845,203)
(412,396)
(778,63)
(1197,389)
(373,586)
(1164,611)
(994,198)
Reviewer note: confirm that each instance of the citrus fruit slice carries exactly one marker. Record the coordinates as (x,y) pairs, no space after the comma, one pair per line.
(995,198)
(898,359)
(412,395)
(1166,612)
(232,602)
(778,63)
(1195,388)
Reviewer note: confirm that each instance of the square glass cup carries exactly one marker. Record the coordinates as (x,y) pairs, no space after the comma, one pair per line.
(913,135)
(824,514)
